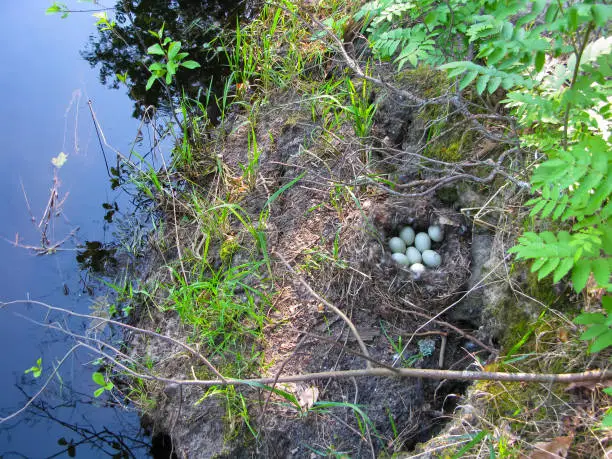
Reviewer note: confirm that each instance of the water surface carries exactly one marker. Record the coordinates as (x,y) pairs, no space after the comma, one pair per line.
(46,87)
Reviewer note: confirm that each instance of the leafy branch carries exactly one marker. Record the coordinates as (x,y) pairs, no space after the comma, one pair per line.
(173,59)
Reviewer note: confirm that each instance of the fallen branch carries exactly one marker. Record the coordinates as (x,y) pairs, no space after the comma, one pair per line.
(333,308)
(119,324)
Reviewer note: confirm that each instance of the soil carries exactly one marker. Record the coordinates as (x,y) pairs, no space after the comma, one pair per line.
(332,227)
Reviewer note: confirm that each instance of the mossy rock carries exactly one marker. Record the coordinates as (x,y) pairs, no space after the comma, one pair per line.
(428,81)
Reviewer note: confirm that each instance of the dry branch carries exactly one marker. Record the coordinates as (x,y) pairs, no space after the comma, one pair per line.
(119,324)
(333,308)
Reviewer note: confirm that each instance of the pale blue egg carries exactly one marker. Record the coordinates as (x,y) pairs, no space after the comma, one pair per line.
(435,233)
(432,259)
(400,258)
(422,242)
(414,256)
(407,234)
(397,245)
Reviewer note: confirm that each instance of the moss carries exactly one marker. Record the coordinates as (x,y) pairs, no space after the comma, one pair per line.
(517,402)
(444,146)
(428,82)
(228,248)
(448,195)
(291,121)
(451,147)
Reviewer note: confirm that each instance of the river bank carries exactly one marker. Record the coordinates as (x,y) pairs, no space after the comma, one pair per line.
(273,260)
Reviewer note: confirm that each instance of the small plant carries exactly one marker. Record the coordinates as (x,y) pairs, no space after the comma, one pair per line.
(58,8)
(237,413)
(173,58)
(100,380)
(599,326)
(361,110)
(36,370)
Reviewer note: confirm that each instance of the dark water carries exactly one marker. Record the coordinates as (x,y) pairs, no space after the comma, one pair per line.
(46,88)
(44,110)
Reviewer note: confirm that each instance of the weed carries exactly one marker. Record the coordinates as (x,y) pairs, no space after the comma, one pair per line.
(220,306)
(361,110)
(236,410)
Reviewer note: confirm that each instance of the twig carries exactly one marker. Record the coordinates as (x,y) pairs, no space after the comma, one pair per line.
(25,196)
(332,307)
(442,351)
(452,327)
(119,324)
(56,368)
(93,118)
(565,378)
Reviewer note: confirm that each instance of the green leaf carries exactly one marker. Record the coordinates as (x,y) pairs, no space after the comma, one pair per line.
(537,208)
(494,84)
(99,392)
(538,264)
(606,303)
(150,81)
(506,32)
(467,79)
(156,49)
(173,50)
(563,268)
(580,274)
(601,271)
(496,55)
(156,67)
(601,343)
(548,267)
(590,318)
(98,378)
(594,331)
(56,8)
(481,84)
(171,68)
(59,160)
(608,390)
(540,59)
(572,18)
(601,14)
(606,422)
(190,64)
(551,13)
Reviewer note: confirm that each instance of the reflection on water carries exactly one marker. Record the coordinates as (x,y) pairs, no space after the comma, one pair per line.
(85,236)
(195,23)
(96,257)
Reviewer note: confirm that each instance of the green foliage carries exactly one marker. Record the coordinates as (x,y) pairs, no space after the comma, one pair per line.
(36,370)
(58,8)
(606,422)
(173,58)
(558,78)
(361,111)
(599,326)
(101,381)
(223,310)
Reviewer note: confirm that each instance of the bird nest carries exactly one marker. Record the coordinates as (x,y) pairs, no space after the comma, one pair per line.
(392,284)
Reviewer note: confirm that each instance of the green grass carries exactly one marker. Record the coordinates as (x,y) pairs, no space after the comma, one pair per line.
(220,306)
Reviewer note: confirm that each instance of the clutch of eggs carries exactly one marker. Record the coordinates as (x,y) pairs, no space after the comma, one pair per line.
(420,255)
